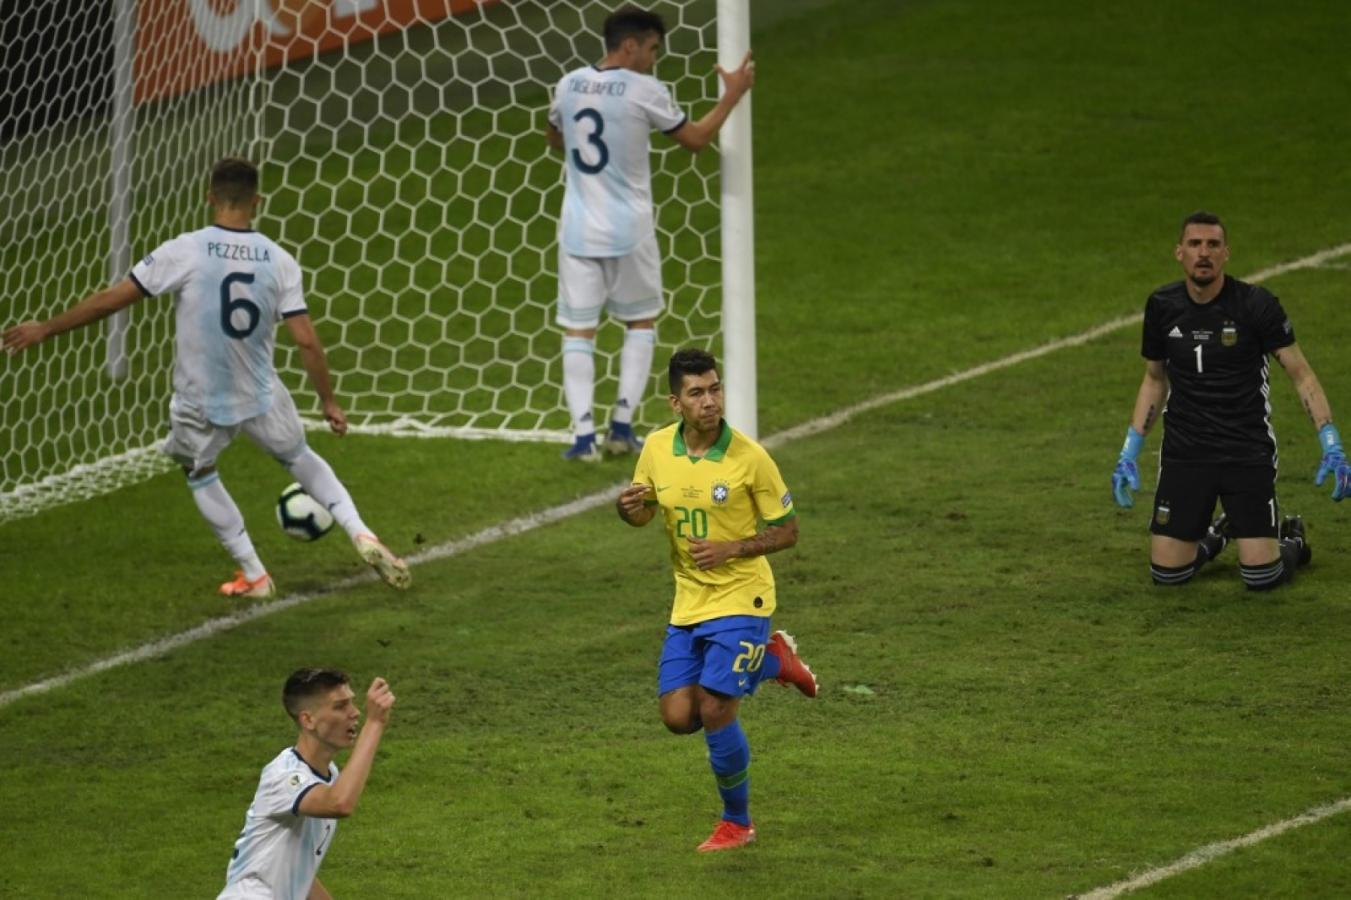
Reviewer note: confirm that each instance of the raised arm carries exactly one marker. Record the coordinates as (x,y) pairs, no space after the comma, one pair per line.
(92,308)
(316,366)
(339,799)
(695,136)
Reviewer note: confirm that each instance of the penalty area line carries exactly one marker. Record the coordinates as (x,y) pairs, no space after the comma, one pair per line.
(522,524)
(836,419)
(1209,852)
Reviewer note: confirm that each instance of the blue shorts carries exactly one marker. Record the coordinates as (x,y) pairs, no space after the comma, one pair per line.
(723,655)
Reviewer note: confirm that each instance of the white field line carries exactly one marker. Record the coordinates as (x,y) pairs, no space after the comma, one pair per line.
(530,522)
(1210,852)
(835,420)
(29,496)
(88,480)
(216,626)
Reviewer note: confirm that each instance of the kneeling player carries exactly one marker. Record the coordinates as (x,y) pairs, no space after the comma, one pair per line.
(1206,342)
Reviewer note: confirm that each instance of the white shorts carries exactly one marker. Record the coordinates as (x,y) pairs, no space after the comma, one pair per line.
(195,443)
(629,287)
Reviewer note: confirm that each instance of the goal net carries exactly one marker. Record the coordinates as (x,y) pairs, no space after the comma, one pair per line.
(403,162)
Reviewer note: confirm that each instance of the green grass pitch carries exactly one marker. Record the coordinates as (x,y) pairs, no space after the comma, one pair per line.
(939,184)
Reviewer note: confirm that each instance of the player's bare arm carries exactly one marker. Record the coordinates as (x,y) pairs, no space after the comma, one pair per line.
(90,309)
(339,799)
(1153,392)
(318,891)
(632,505)
(695,136)
(711,554)
(553,136)
(316,366)
(1307,385)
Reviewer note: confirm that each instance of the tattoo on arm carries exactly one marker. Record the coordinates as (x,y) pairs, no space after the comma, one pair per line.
(1317,420)
(1149,417)
(772,539)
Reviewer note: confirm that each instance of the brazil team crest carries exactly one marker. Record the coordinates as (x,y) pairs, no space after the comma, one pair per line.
(721,491)
(1162,513)
(1229,336)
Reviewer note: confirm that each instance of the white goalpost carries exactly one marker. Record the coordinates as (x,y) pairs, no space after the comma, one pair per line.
(403,162)
(738,231)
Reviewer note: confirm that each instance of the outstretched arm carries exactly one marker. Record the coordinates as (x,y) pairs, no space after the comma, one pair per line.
(695,136)
(90,309)
(316,366)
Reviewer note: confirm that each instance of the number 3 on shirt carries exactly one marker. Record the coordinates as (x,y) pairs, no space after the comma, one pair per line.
(230,305)
(602,151)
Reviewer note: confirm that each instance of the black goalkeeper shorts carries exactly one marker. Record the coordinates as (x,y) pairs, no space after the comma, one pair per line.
(1184,503)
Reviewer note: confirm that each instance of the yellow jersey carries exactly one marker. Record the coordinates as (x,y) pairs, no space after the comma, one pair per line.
(718,496)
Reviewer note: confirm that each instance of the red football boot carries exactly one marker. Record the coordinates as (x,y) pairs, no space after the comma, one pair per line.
(728,836)
(792,670)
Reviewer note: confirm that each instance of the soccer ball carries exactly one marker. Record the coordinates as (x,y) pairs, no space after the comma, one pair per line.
(301,516)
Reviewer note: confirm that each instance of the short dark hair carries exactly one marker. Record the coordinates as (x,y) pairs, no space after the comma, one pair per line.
(1201,217)
(690,361)
(630,21)
(234,181)
(305,685)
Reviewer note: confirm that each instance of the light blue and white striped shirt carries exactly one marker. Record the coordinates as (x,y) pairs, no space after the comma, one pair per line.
(606,117)
(231,289)
(278,853)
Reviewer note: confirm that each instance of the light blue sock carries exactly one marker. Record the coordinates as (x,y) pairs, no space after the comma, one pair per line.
(730,756)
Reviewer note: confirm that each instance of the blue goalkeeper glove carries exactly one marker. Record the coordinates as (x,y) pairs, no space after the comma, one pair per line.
(1334,462)
(1126,476)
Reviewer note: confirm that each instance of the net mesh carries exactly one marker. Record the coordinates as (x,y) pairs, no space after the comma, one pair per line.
(403,162)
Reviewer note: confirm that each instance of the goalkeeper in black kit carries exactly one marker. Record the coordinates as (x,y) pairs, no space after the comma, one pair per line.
(1206,345)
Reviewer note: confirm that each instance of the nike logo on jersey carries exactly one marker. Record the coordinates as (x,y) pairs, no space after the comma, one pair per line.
(661,487)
